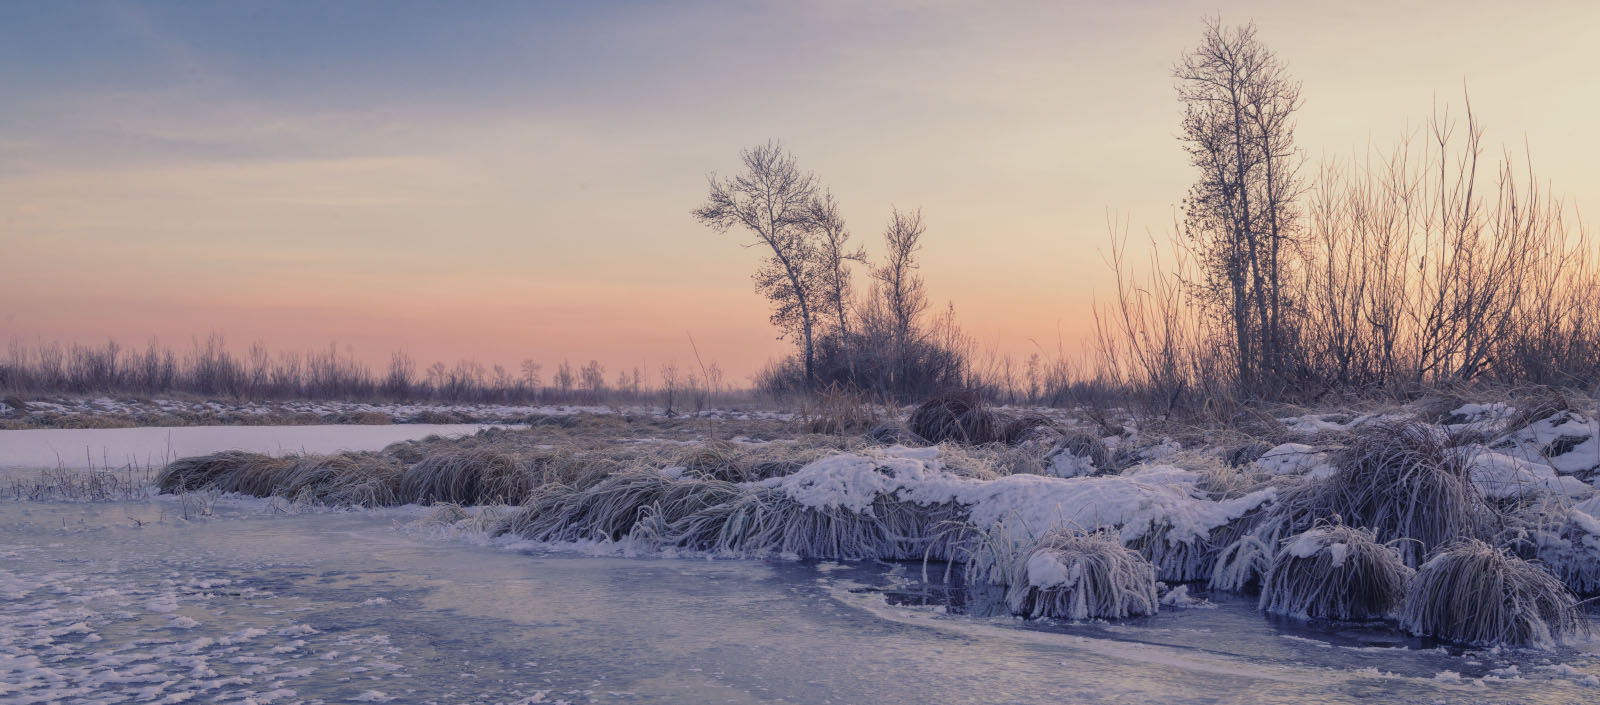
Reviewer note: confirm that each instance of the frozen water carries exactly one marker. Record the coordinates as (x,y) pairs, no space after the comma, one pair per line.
(132,603)
(111,448)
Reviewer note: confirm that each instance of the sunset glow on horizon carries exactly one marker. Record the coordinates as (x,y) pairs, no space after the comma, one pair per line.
(500,181)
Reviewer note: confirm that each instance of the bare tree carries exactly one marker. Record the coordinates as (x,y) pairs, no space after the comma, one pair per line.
(899,287)
(530,376)
(669,383)
(835,256)
(565,378)
(1238,128)
(594,378)
(773,200)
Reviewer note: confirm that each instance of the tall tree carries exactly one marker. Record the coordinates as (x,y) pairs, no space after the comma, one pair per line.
(835,256)
(773,200)
(1238,128)
(899,287)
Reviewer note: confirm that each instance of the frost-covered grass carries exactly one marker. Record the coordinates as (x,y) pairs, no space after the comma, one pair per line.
(1401,481)
(1077,575)
(1474,593)
(1335,572)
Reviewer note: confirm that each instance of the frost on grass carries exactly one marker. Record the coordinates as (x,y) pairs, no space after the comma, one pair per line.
(1076,575)
(1399,481)
(1335,572)
(1474,593)
(1572,550)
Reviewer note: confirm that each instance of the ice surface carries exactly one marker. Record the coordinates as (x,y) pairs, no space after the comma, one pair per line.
(341,607)
(112,448)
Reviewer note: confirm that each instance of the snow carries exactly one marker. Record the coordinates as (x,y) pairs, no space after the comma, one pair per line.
(1504,476)
(110,448)
(1542,441)
(1313,542)
(1147,499)
(1064,464)
(1045,571)
(1318,423)
(1291,459)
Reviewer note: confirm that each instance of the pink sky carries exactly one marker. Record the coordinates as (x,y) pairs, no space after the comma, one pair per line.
(520,187)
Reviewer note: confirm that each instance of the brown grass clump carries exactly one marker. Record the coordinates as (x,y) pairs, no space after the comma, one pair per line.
(236,470)
(475,476)
(1030,427)
(346,479)
(839,411)
(610,508)
(958,417)
(1474,593)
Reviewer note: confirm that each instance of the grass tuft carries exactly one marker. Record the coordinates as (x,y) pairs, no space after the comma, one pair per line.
(1335,572)
(1077,575)
(1474,593)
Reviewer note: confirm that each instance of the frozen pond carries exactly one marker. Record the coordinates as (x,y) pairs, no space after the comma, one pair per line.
(151,446)
(132,602)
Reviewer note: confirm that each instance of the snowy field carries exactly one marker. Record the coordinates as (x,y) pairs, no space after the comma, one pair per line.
(206,596)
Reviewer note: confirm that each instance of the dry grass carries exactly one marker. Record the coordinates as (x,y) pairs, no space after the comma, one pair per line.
(765,521)
(346,479)
(233,468)
(475,476)
(839,411)
(959,417)
(61,484)
(1474,593)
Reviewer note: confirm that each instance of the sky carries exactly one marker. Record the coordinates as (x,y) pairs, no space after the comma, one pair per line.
(511,180)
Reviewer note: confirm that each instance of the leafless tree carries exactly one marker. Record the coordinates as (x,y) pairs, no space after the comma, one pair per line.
(1240,215)
(836,256)
(669,383)
(565,377)
(773,200)
(530,376)
(594,378)
(899,287)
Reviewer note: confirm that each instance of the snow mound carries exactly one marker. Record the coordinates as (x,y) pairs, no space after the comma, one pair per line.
(1505,476)
(1567,442)
(1292,459)
(1147,500)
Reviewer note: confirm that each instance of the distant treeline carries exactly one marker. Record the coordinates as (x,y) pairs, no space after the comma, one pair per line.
(210,369)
